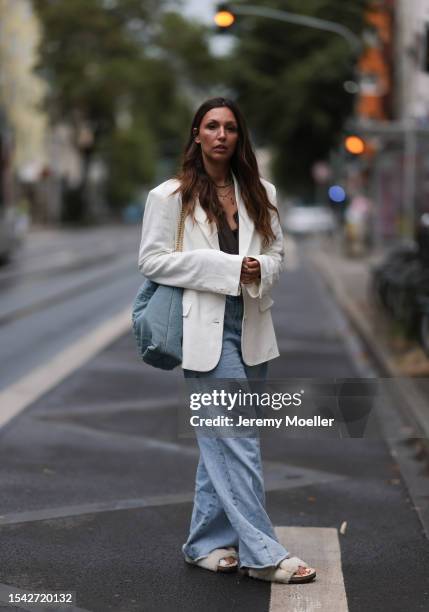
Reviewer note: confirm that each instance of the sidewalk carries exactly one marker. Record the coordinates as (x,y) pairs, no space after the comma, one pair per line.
(394,355)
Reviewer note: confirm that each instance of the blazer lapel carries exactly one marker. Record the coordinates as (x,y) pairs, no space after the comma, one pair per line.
(246,225)
(209,230)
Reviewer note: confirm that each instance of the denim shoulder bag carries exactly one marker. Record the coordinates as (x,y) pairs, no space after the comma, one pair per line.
(157,318)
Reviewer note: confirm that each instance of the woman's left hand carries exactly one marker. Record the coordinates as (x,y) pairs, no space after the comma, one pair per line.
(250,271)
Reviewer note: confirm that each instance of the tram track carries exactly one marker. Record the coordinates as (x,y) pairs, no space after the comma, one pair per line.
(75,287)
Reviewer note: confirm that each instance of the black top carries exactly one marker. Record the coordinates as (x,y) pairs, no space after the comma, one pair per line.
(228,238)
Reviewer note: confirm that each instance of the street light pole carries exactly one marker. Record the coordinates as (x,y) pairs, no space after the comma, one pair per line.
(303,20)
(226,13)
(225,17)
(410,171)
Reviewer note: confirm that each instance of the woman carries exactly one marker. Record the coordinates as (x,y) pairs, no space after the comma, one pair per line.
(232,255)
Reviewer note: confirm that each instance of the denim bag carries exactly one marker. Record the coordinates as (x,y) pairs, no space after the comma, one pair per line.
(157,319)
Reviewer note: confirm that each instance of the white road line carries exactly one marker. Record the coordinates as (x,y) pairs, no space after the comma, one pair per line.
(275,474)
(148,404)
(51,514)
(320,548)
(15,398)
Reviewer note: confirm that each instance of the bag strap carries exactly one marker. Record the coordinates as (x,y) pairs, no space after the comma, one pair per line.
(180,230)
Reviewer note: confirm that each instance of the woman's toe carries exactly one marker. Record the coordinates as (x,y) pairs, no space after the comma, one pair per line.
(227,561)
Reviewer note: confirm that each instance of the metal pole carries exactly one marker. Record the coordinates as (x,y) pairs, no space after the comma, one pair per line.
(304,20)
(410,163)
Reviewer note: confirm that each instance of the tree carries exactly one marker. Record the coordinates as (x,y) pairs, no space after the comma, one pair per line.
(115,71)
(289,80)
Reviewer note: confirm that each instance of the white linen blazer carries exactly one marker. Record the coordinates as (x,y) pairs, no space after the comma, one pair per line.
(207,274)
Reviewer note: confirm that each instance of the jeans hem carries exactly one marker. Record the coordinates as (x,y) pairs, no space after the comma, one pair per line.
(207,554)
(242,565)
(196,558)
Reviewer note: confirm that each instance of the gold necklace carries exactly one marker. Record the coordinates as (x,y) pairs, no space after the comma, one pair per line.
(228,198)
(228,184)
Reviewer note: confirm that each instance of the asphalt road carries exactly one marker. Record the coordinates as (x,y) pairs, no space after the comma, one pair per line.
(59,287)
(97,486)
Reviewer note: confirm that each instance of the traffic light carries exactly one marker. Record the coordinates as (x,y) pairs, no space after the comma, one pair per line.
(354,144)
(224,17)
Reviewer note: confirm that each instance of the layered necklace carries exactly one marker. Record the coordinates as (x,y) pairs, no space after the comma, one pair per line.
(226,195)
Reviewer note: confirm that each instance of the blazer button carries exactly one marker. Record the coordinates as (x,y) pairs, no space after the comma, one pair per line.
(216,321)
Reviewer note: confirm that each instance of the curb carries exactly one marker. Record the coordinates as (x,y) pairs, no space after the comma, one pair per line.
(381,358)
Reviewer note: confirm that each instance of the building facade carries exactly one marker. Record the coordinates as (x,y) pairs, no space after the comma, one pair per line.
(412,60)
(21,91)
(392,115)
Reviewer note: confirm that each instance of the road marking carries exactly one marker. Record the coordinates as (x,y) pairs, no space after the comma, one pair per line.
(320,548)
(132,441)
(278,477)
(15,398)
(50,514)
(148,404)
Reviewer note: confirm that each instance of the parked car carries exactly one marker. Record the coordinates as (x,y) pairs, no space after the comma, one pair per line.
(303,220)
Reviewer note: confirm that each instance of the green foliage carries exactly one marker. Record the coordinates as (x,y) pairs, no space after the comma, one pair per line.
(89,53)
(186,49)
(130,71)
(129,154)
(289,81)
(135,73)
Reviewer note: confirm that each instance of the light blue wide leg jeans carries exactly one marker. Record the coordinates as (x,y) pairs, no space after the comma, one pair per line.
(229,502)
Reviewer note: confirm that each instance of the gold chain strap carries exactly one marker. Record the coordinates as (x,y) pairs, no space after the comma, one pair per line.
(180,231)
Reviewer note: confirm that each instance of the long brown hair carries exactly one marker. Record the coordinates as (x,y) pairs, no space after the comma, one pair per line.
(195,182)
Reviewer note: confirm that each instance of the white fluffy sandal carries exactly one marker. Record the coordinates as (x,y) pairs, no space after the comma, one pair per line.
(284,572)
(216,560)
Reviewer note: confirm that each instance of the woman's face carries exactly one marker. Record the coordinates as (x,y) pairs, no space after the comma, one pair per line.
(218,134)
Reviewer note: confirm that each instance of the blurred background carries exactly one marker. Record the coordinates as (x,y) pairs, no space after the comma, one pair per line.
(96,97)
